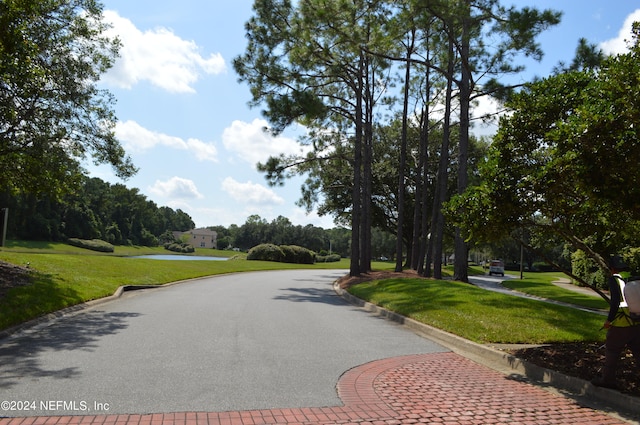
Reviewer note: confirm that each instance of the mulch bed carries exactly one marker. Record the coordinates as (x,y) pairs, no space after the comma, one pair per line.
(582,360)
(12,276)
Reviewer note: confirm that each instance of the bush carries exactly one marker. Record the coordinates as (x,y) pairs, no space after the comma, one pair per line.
(289,254)
(183,248)
(587,269)
(93,244)
(266,252)
(284,254)
(298,255)
(147,238)
(543,267)
(330,258)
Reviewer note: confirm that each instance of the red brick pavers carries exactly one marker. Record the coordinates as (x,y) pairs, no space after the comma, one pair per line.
(441,388)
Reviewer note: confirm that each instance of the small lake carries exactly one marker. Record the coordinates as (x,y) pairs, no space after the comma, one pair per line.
(180,257)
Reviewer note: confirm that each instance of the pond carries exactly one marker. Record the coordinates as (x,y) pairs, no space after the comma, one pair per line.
(179,257)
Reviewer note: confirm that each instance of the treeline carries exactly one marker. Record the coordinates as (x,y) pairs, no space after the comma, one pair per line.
(97,210)
(256,230)
(120,215)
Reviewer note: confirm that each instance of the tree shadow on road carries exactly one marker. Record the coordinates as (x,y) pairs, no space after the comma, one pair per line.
(316,295)
(21,357)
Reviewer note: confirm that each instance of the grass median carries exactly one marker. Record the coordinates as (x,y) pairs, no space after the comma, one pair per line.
(541,285)
(479,315)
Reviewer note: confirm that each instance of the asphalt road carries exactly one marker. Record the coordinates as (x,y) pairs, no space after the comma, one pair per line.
(236,342)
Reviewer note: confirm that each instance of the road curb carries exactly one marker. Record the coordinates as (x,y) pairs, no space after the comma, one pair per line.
(582,391)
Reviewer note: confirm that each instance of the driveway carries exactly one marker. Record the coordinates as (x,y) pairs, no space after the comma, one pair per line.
(246,341)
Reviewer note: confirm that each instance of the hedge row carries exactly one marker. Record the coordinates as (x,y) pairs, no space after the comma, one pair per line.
(183,248)
(92,244)
(282,254)
(330,258)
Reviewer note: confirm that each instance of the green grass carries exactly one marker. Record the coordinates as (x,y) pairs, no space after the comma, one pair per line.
(36,247)
(541,285)
(479,315)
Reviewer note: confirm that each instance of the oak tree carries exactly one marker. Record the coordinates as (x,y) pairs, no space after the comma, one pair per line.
(53,115)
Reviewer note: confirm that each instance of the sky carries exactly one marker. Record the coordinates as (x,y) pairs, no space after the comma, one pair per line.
(184,118)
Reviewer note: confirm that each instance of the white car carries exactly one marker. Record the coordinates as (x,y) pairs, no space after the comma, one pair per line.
(496,267)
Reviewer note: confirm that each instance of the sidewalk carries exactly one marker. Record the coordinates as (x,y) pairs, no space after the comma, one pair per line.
(440,388)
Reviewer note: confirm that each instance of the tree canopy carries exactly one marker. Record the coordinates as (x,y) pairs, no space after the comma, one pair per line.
(334,67)
(52,114)
(564,164)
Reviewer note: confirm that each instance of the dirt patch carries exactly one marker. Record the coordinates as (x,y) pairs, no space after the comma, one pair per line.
(580,360)
(12,276)
(347,281)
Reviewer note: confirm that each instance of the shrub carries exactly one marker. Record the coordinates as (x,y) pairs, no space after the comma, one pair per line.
(147,238)
(330,258)
(183,248)
(587,269)
(289,254)
(284,254)
(266,252)
(298,255)
(543,267)
(93,244)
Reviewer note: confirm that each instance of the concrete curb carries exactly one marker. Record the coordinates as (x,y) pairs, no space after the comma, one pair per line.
(582,391)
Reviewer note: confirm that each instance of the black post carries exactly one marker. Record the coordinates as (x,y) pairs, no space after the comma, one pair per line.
(4,226)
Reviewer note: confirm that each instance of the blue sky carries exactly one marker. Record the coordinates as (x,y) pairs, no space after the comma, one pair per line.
(184,118)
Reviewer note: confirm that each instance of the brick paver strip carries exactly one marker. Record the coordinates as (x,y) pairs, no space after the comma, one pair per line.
(440,388)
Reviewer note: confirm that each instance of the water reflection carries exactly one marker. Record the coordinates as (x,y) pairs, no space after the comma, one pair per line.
(179,257)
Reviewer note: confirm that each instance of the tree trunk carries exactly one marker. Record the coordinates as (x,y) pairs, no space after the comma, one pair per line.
(403,164)
(423,215)
(440,196)
(354,266)
(461,250)
(365,254)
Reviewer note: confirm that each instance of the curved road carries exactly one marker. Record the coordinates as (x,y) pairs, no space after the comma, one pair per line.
(245,341)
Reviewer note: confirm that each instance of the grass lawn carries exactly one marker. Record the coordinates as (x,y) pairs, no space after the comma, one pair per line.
(541,285)
(479,315)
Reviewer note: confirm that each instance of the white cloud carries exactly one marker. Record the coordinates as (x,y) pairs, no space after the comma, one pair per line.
(136,138)
(202,150)
(253,144)
(250,193)
(300,217)
(158,56)
(176,188)
(619,44)
(485,116)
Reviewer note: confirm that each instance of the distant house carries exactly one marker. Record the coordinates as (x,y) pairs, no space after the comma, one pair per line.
(199,238)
